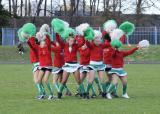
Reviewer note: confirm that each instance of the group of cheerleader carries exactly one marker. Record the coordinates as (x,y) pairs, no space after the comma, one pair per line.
(83,52)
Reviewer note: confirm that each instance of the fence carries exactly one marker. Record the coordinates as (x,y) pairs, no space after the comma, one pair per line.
(152,34)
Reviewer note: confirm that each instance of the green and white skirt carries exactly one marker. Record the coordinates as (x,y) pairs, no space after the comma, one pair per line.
(84,68)
(35,67)
(118,71)
(97,66)
(70,67)
(56,70)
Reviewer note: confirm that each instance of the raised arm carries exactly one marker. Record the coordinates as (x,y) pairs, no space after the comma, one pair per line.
(80,41)
(126,53)
(59,40)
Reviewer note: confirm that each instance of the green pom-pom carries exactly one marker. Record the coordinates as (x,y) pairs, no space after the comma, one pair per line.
(127,27)
(68,32)
(89,34)
(58,25)
(29,28)
(116,43)
(21,38)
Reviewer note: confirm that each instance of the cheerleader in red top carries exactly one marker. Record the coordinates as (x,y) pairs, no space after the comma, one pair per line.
(96,61)
(107,59)
(70,56)
(34,59)
(117,70)
(45,59)
(58,62)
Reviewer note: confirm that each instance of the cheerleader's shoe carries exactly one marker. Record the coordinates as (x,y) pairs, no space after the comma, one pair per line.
(125,96)
(109,96)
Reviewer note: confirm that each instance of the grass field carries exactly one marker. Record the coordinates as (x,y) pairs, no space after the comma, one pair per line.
(17,94)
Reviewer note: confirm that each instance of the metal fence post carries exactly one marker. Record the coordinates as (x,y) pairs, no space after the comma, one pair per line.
(155,35)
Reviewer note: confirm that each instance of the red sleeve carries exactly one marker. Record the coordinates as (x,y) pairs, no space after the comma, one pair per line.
(48,41)
(54,49)
(32,44)
(59,40)
(126,53)
(80,41)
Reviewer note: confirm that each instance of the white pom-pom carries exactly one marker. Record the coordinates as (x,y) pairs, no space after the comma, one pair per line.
(97,34)
(45,29)
(40,36)
(116,34)
(109,26)
(81,28)
(144,44)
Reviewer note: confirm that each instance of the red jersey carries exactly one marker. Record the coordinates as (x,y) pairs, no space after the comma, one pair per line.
(58,60)
(33,50)
(70,56)
(96,52)
(45,59)
(107,55)
(118,57)
(84,56)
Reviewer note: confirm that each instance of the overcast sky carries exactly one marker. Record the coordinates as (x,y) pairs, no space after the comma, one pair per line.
(128,4)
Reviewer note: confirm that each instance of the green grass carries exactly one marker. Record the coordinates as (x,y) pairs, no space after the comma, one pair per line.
(17,94)
(10,54)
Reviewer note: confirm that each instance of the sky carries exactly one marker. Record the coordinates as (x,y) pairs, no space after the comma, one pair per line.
(128,4)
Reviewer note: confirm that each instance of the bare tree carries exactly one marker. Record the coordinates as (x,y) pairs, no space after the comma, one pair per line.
(39,7)
(21,8)
(45,7)
(84,7)
(14,6)
(65,7)
(29,8)
(9,3)
(26,9)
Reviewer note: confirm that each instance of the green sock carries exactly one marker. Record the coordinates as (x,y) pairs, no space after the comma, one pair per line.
(65,86)
(56,86)
(61,87)
(93,90)
(110,88)
(115,89)
(88,87)
(43,90)
(103,87)
(38,86)
(98,83)
(124,89)
(81,87)
(49,88)
(107,85)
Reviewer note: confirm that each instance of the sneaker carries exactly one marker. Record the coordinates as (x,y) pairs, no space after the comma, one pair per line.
(68,93)
(93,96)
(40,97)
(77,94)
(59,95)
(125,96)
(109,96)
(103,95)
(50,97)
(87,96)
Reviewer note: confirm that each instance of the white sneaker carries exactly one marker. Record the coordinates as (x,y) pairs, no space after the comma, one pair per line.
(50,97)
(109,96)
(125,96)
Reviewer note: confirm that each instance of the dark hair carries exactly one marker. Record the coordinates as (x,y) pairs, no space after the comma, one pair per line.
(107,37)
